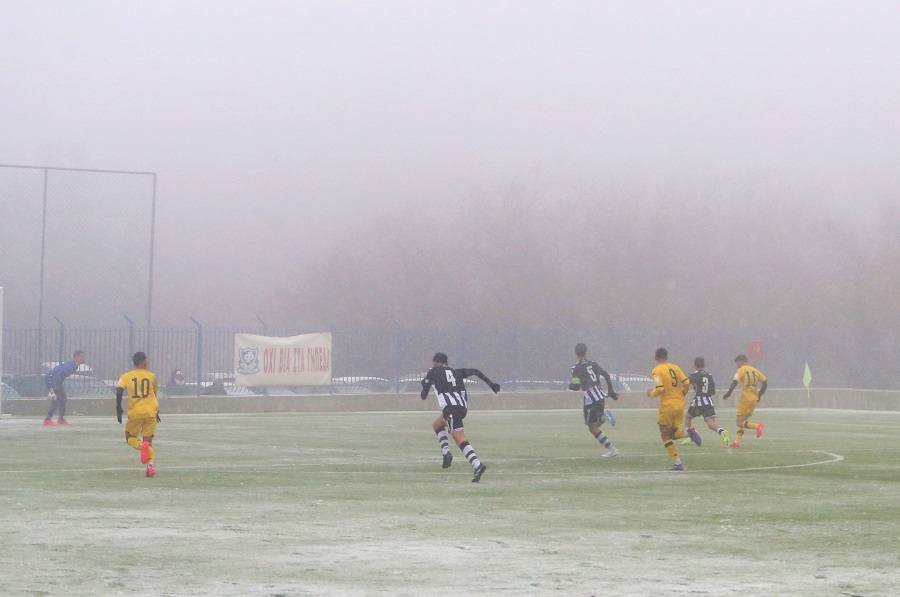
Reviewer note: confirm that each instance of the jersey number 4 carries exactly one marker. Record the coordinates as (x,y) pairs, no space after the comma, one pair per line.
(450,378)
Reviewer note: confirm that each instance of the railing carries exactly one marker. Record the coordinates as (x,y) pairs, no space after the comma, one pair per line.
(395,354)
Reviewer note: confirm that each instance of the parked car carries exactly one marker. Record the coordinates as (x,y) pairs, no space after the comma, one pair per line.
(631,382)
(361,385)
(32,386)
(8,392)
(410,384)
(530,385)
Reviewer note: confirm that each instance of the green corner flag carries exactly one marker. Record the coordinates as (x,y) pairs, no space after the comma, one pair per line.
(807,376)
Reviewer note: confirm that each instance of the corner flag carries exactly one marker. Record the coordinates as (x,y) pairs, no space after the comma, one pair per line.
(807,376)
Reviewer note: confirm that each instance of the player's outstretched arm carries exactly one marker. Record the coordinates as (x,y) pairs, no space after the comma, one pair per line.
(426,387)
(609,386)
(119,411)
(734,384)
(495,387)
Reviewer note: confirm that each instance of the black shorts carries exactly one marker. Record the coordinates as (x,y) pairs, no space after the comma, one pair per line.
(453,416)
(707,411)
(593,413)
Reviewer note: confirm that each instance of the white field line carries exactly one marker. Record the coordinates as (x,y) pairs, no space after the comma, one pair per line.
(231,466)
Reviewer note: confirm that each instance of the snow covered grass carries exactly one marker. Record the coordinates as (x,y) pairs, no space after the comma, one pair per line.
(357,504)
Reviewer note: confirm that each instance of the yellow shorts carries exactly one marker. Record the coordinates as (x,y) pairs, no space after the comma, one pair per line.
(141,426)
(671,418)
(746,406)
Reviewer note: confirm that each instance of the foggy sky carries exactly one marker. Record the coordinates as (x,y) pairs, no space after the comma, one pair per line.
(277,126)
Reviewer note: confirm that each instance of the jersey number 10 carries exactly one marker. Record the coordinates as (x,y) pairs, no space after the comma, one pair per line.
(145,388)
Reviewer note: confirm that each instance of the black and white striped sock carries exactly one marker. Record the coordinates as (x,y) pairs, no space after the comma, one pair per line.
(442,439)
(601,437)
(469,453)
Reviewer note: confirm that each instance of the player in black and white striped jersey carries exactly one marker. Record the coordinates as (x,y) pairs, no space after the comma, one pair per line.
(586,376)
(702,404)
(450,389)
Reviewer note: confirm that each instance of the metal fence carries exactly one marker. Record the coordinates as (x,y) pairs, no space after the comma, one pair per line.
(394,356)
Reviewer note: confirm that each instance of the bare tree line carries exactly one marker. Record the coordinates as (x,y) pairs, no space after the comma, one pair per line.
(750,256)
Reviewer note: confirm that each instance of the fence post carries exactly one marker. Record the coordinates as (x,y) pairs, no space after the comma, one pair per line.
(62,338)
(264,324)
(130,335)
(398,351)
(566,340)
(331,331)
(461,359)
(199,356)
(514,352)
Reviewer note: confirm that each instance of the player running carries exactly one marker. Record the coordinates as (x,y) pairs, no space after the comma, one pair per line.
(55,390)
(702,404)
(586,376)
(671,388)
(749,377)
(143,409)
(450,390)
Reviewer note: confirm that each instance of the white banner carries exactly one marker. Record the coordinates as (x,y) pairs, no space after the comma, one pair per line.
(294,361)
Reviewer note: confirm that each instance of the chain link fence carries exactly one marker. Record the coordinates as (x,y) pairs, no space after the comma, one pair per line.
(393,358)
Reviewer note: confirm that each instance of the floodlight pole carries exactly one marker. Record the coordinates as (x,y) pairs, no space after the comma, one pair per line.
(152,239)
(40,322)
(1,348)
(130,334)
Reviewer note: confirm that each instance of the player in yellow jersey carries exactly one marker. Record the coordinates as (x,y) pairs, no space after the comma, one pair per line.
(749,377)
(671,386)
(143,409)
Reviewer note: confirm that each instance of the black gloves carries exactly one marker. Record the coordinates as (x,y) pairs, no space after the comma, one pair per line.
(495,387)
(613,395)
(119,411)
(574,386)
(726,396)
(157,417)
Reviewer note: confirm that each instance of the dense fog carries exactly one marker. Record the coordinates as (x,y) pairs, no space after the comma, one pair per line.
(644,163)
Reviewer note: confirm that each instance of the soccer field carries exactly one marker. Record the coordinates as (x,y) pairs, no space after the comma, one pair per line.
(357,504)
